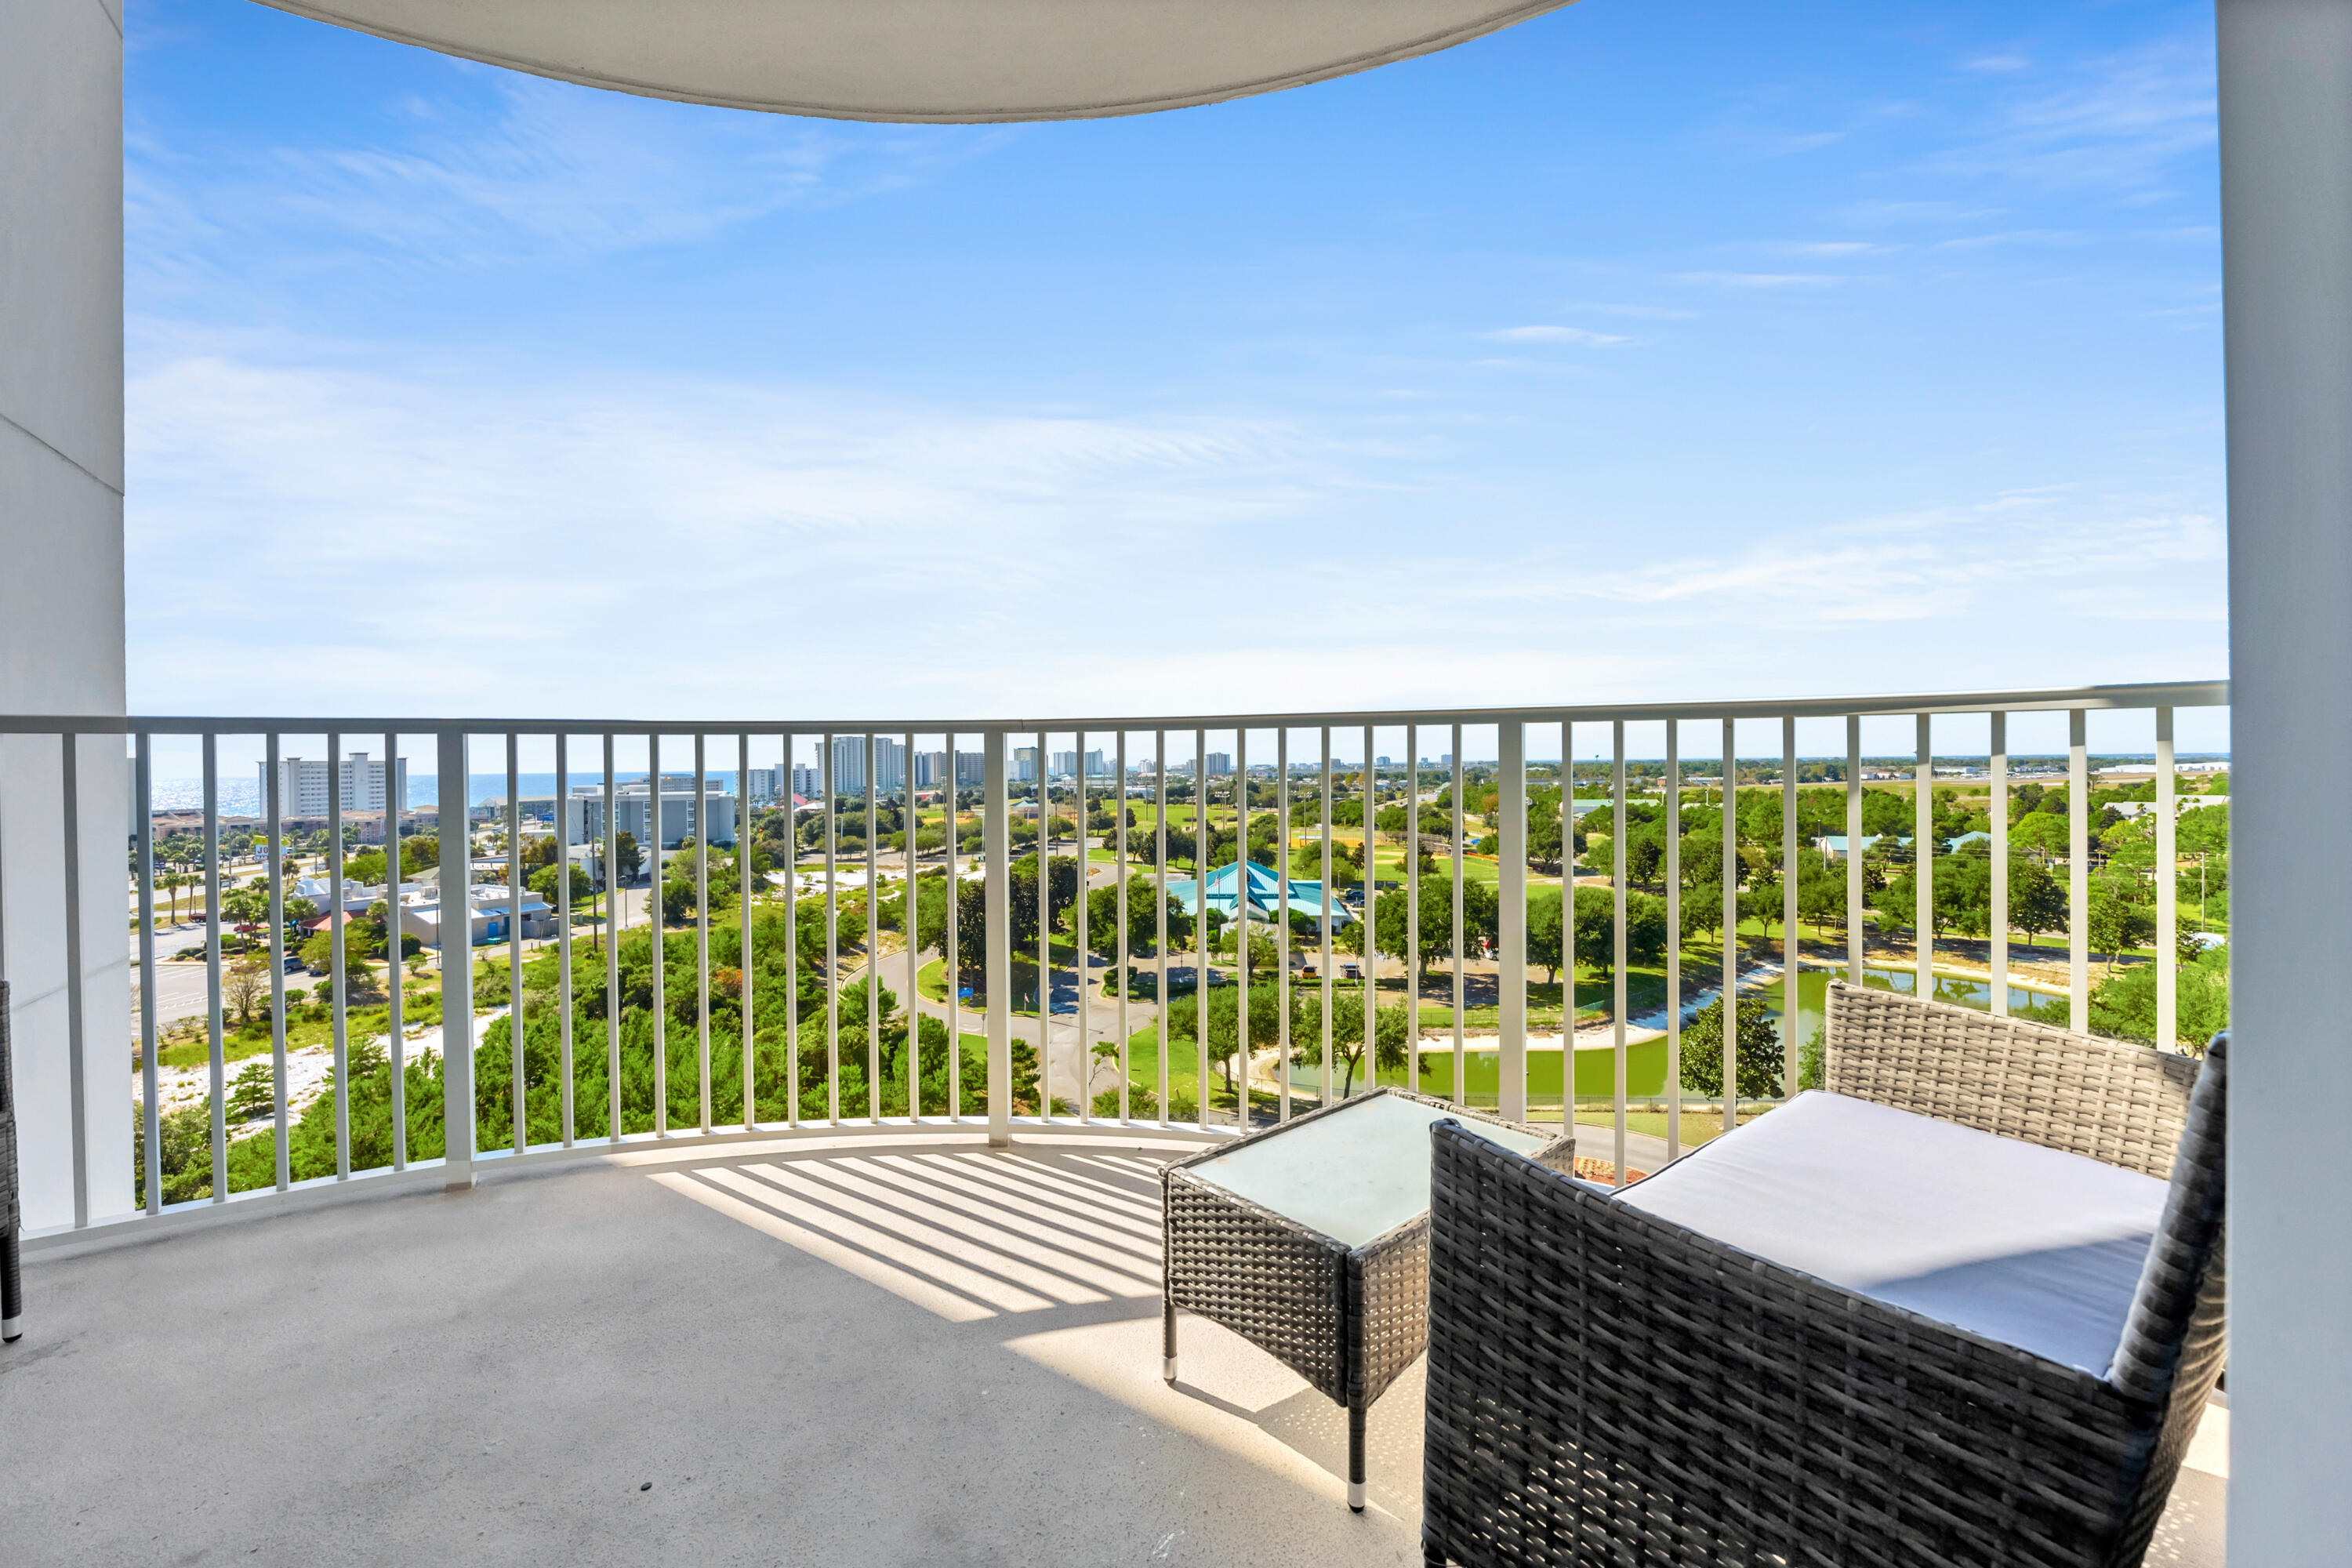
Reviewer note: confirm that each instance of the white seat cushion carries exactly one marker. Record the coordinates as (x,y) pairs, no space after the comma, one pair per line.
(2018,1243)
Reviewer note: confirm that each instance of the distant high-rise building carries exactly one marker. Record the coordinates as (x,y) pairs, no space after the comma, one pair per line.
(971,768)
(1380,761)
(808,782)
(762,785)
(1096,767)
(849,764)
(307,785)
(1064,764)
(1024,765)
(930,769)
(1220,763)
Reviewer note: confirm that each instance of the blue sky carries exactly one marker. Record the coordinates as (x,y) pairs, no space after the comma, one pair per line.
(1669,350)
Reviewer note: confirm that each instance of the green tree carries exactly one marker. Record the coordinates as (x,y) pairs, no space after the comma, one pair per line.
(2041,831)
(1596,928)
(254,1094)
(1392,1029)
(2124,1005)
(1758,1057)
(2118,925)
(629,857)
(2036,902)
(542,882)
(319,958)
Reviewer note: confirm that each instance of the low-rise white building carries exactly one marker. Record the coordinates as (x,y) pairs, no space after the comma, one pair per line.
(493,907)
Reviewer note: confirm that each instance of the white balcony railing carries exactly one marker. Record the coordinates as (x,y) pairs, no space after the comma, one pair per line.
(783,1037)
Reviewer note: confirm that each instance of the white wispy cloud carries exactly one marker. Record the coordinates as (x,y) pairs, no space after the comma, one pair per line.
(541,168)
(2115,126)
(1580,336)
(320,538)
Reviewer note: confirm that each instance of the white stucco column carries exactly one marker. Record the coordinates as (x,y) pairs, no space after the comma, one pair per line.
(2286,219)
(61,587)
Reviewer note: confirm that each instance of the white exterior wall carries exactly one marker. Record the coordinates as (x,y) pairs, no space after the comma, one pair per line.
(632,811)
(61,592)
(2285,71)
(303,784)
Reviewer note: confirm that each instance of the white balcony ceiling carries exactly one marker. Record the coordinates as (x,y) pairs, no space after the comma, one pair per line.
(934,60)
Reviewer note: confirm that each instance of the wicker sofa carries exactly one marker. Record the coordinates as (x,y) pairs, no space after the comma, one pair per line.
(1607,1385)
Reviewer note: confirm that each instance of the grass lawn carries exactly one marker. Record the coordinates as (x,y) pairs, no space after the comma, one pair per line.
(1596,1074)
(1389,866)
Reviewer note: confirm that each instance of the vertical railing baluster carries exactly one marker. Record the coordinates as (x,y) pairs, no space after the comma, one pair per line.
(1856,939)
(1282,950)
(792,938)
(457,981)
(832,940)
(2078,873)
(337,771)
(1674,1084)
(1460,1057)
(1568,920)
(1241,927)
(746,874)
(396,1052)
(77,1059)
(1125,981)
(950,957)
(1791,949)
(1412,913)
(657,927)
(521,1129)
(700,817)
(612,947)
(873,932)
(2168,921)
(1617,911)
(1082,1019)
(1999,767)
(1730,925)
(1324,976)
(1370,942)
(213,968)
(1160,861)
(1922,862)
(563,927)
(1511,899)
(996,889)
(273,810)
(150,1117)
(1199,938)
(1038,770)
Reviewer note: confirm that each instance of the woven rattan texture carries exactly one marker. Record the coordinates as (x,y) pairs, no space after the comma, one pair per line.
(1388,1296)
(2118,1102)
(2174,1342)
(1605,1388)
(1300,1297)
(1276,1284)
(10,1211)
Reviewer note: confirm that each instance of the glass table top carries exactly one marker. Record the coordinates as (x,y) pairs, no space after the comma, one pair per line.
(1354,1175)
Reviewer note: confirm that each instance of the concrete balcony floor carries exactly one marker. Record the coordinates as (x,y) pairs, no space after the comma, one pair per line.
(863,1349)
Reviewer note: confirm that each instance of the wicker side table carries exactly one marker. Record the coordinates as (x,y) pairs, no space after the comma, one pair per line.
(1311,1241)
